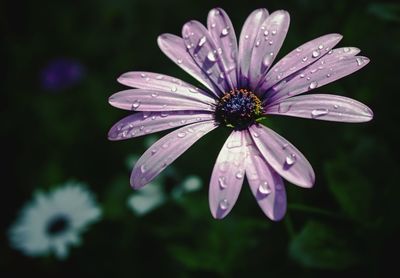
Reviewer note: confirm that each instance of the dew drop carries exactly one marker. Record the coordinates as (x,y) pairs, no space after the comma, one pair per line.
(153,151)
(154,94)
(319,112)
(202,41)
(270,42)
(336,106)
(174,89)
(360,61)
(143,168)
(320,46)
(146,114)
(239,175)
(165,145)
(290,159)
(181,134)
(225,31)
(222,182)
(315,53)
(143,75)
(302,75)
(135,105)
(346,49)
(258,43)
(164,114)
(313,85)
(224,204)
(179,61)
(264,188)
(298,49)
(159,77)
(213,25)
(304,59)
(266,33)
(211,56)
(246,37)
(273,32)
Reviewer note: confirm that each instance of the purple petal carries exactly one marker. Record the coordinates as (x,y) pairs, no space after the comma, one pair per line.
(329,68)
(282,156)
(267,44)
(166,150)
(266,185)
(323,107)
(206,54)
(152,100)
(143,123)
(161,82)
(299,58)
(246,43)
(221,30)
(228,174)
(175,49)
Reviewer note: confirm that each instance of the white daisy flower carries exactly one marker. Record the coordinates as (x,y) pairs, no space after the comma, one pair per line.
(189,184)
(147,199)
(51,222)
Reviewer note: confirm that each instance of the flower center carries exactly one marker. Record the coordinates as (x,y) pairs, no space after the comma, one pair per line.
(238,109)
(57,225)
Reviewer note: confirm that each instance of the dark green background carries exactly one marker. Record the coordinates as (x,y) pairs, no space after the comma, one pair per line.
(346,225)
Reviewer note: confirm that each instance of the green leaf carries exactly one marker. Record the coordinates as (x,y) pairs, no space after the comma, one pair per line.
(320,246)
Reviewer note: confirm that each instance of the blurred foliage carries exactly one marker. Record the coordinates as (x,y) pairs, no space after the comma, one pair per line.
(346,225)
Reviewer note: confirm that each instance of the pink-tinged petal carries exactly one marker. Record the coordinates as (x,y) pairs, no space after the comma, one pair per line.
(282,156)
(161,82)
(143,123)
(228,174)
(151,100)
(206,54)
(299,58)
(247,41)
(166,150)
(221,30)
(268,42)
(175,49)
(323,107)
(326,70)
(266,185)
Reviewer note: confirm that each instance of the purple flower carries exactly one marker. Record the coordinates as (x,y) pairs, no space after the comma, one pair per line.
(61,73)
(240,87)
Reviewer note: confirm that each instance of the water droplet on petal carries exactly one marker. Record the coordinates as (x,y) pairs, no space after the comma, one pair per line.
(258,43)
(264,188)
(225,31)
(239,175)
(135,105)
(313,85)
(222,182)
(234,144)
(360,61)
(143,75)
(153,151)
(302,75)
(336,106)
(154,94)
(202,41)
(165,145)
(174,89)
(266,33)
(159,77)
(143,168)
(181,134)
(315,53)
(304,59)
(299,49)
(224,204)
(211,56)
(319,112)
(213,25)
(346,49)
(164,114)
(179,61)
(246,37)
(273,32)
(290,159)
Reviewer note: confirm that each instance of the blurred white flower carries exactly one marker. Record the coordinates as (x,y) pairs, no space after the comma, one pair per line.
(147,199)
(189,184)
(53,221)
